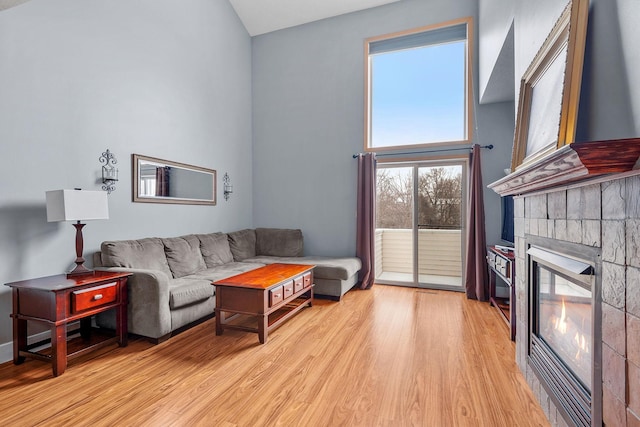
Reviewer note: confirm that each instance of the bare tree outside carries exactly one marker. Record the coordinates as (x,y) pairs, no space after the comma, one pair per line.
(439,198)
(394,198)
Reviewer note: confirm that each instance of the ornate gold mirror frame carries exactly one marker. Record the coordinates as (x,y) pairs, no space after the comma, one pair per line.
(550,89)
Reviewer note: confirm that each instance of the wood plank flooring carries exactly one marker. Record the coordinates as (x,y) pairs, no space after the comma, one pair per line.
(390,356)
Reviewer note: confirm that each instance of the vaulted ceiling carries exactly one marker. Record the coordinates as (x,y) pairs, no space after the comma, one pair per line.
(264,16)
(6,4)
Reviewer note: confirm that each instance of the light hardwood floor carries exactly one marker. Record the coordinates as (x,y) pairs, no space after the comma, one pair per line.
(390,356)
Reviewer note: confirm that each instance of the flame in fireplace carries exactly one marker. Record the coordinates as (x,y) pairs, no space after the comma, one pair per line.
(582,344)
(560,323)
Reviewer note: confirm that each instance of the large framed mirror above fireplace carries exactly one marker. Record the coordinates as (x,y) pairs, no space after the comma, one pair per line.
(564,325)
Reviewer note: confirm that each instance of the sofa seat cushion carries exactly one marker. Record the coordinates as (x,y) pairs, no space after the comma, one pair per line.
(279,242)
(183,255)
(215,249)
(225,270)
(146,254)
(185,291)
(326,267)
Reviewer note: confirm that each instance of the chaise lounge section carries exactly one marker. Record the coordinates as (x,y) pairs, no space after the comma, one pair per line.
(171,288)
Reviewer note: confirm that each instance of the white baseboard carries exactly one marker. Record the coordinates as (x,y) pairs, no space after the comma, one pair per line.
(6,349)
(6,352)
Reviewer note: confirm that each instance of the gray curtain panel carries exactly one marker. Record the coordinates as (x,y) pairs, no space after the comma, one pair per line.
(366,224)
(476,278)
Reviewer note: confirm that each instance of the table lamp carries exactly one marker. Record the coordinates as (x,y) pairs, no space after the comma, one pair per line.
(77,205)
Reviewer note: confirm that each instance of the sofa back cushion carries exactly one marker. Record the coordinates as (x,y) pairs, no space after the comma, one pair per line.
(242,244)
(278,242)
(215,249)
(183,255)
(147,254)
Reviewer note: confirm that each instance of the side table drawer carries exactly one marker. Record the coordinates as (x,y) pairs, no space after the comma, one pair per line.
(93,297)
(298,284)
(275,296)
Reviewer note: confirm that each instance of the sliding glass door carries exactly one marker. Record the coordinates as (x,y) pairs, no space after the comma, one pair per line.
(420,217)
(439,225)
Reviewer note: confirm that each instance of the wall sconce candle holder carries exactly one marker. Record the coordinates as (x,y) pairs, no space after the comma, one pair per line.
(109,171)
(227,188)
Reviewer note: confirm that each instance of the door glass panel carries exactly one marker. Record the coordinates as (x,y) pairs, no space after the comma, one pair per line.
(440,216)
(394,225)
(419,217)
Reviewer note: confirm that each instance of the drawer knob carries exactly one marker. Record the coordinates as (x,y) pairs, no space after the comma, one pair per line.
(97,297)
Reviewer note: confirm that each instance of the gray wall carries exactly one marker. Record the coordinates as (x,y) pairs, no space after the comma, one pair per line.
(156,77)
(495,19)
(308,119)
(610,96)
(610,100)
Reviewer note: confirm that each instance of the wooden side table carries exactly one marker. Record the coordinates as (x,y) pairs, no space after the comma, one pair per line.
(58,300)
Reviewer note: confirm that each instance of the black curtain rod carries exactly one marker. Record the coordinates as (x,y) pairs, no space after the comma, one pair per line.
(488,147)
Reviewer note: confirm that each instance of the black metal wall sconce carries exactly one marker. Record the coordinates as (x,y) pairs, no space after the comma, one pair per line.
(227,188)
(109,171)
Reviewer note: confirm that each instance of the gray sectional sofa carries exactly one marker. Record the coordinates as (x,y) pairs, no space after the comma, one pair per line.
(171,284)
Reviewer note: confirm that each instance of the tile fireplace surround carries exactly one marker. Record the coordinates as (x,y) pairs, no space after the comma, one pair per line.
(599,210)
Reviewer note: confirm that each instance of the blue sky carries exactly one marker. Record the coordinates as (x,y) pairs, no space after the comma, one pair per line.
(418,95)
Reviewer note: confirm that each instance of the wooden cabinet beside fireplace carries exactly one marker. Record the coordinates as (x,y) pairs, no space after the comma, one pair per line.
(502,267)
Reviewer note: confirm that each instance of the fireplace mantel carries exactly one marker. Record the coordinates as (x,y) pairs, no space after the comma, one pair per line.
(571,163)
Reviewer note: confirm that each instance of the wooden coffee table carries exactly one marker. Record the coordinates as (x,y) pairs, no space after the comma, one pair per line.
(270,295)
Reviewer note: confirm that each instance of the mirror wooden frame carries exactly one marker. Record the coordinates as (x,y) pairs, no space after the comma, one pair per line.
(569,33)
(137,197)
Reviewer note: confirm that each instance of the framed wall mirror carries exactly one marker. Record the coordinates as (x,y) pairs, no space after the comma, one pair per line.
(550,89)
(163,181)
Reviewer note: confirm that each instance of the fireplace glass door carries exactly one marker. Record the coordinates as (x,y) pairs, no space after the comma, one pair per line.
(564,339)
(565,320)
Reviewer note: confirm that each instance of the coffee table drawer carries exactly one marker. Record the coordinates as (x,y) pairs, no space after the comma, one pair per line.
(275,296)
(287,289)
(298,284)
(307,280)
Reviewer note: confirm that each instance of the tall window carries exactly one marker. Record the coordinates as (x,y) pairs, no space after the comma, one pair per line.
(418,87)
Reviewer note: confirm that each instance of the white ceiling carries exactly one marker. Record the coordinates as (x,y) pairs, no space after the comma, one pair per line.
(264,16)
(6,4)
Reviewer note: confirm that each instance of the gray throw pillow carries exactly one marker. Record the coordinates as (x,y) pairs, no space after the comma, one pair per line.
(243,244)
(279,242)
(183,255)
(215,249)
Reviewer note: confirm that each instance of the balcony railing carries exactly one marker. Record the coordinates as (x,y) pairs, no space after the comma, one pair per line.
(439,253)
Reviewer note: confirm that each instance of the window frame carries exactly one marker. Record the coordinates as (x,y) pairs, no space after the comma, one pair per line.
(468,86)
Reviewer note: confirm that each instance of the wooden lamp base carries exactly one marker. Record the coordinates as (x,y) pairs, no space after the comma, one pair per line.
(80,268)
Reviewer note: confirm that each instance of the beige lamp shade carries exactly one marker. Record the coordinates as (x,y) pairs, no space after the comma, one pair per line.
(76,205)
